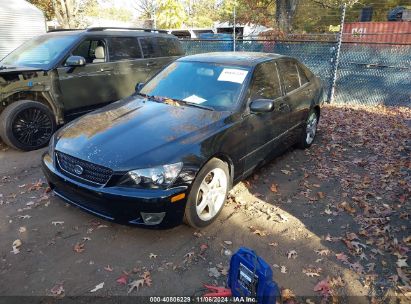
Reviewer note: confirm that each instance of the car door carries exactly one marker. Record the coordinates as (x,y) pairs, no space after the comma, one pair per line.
(90,85)
(265,130)
(129,65)
(298,90)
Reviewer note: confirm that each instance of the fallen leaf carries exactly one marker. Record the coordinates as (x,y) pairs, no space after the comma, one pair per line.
(287,294)
(274,188)
(323,252)
(123,279)
(283,269)
(203,247)
(98,287)
(292,254)
(55,223)
(321,195)
(146,276)
(402,263)
(108,268)
(22,229)
(57,290)
(79,247)
(341,257)
(16,244)
(228,242)
(135,284)
(323,287)
(286,172)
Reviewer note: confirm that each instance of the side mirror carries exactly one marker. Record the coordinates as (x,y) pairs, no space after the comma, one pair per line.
(75,61)
(262,105)
(139,86)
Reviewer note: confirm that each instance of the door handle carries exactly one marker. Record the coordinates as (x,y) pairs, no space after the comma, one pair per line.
(284,107)
(106,69)
(150,63)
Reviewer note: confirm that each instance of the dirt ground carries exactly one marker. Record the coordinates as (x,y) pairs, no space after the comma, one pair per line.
(333,221)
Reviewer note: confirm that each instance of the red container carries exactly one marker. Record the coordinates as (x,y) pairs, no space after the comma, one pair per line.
(378,32)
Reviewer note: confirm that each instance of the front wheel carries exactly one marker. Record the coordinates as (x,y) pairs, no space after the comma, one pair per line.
(27,125)
(208,194)
(309,131)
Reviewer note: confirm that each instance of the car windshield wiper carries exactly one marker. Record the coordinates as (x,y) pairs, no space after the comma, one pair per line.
(192,104)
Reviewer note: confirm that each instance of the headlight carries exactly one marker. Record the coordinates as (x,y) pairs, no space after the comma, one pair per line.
(156,177)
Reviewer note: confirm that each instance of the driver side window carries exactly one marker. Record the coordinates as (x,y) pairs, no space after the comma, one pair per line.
(92,50)
(265,83)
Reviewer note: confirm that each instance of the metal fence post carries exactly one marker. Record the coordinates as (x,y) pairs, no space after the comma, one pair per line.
(337,54)
(234,25)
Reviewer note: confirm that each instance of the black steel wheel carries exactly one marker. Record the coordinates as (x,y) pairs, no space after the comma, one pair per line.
(27,125)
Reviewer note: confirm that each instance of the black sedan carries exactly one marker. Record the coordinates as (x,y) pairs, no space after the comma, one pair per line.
(173,150)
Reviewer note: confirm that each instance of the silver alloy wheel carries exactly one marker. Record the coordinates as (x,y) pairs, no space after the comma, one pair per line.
(311,128)
(212,194)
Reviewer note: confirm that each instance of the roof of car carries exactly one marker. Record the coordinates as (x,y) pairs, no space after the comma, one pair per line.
(110,32)
(233,58)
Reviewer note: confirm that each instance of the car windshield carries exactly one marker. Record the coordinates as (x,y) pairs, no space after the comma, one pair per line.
(39,52)
(209,85)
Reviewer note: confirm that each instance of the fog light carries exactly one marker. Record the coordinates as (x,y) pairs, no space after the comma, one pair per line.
(152,218)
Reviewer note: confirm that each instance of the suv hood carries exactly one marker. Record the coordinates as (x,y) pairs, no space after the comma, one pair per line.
(16,69)
(136,133)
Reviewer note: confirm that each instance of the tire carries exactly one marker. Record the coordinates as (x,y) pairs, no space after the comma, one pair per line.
(27,125)
(218,171)
(309,131)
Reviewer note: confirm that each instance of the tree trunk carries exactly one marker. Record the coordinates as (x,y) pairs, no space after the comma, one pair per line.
(285,10)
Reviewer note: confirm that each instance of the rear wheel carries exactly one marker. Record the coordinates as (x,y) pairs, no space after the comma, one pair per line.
(309,131)
(27,125)
(208,194)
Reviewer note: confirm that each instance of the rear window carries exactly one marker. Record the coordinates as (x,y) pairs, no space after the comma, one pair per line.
(290,75)
(123,48)
(160,47)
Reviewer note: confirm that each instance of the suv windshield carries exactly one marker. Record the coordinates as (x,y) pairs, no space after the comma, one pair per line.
(206,84)
(39,52)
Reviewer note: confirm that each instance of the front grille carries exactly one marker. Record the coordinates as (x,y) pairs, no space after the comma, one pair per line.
(91,172)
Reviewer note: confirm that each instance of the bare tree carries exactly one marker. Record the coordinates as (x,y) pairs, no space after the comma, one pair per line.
(66,11)
(146,9)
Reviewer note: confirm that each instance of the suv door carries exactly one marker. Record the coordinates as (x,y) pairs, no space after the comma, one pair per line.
(130,67)
(298,89)
(265,130)
(90,85)
(159,52)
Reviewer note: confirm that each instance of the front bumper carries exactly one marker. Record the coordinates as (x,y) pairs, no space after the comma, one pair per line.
(117,204)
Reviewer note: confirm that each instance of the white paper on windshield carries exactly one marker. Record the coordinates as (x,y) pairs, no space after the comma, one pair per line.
(194,99)
(233,75)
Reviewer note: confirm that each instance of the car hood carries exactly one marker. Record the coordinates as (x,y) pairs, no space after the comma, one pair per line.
(136,133)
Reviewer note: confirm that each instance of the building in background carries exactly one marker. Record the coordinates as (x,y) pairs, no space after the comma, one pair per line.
(19,22)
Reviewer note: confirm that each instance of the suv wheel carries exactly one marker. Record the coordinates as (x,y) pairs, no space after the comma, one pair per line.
(27,125)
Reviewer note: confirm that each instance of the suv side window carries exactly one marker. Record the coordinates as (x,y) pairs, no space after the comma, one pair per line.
(169,47)
(87,49)
(266,82)
(148,46)
(123,48)
(290,75)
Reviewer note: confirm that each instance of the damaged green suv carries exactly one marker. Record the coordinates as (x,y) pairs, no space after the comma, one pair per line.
(55,77)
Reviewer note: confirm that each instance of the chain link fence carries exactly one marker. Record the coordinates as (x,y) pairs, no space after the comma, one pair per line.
(368,71)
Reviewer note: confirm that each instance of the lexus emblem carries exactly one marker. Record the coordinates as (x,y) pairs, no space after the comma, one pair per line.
(78,169)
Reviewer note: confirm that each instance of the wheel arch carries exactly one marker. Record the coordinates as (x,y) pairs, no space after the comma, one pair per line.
(42,97)
(226,159)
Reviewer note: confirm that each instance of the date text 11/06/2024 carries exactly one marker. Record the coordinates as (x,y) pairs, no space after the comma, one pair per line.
(202,299)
